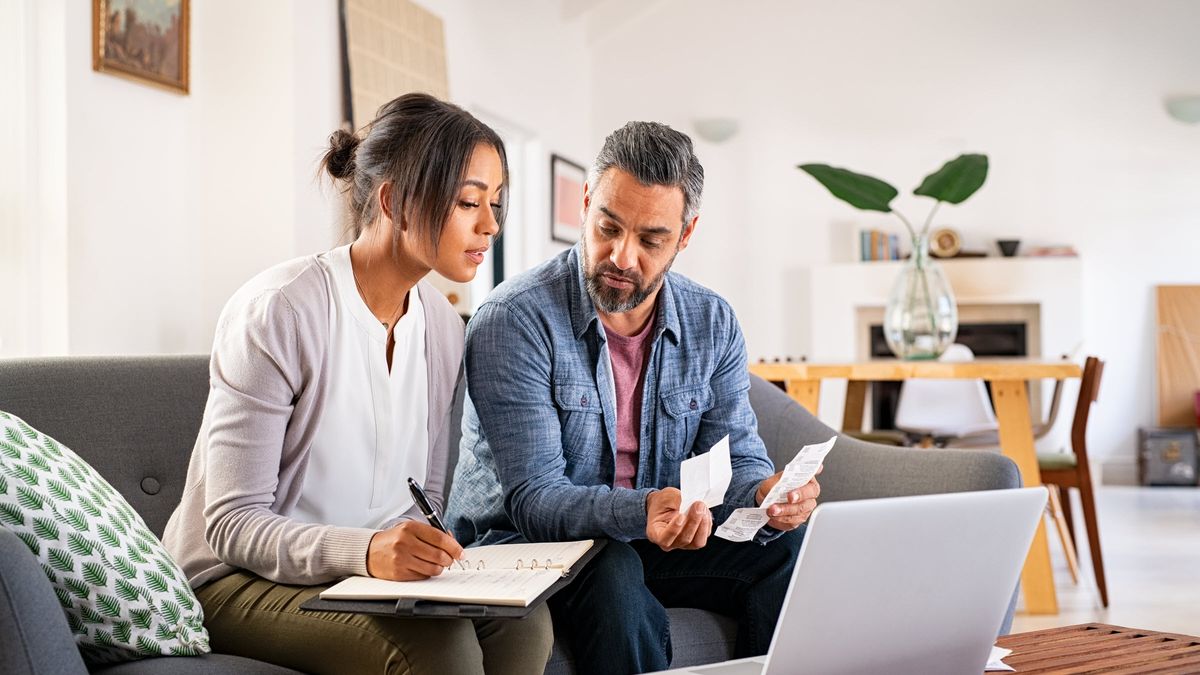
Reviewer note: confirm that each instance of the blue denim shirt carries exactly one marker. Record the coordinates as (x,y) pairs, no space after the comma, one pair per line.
(539,444)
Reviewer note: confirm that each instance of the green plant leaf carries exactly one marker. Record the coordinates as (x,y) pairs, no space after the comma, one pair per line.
(78,587)
(90,508)
(109,605)
(45,528)
(64,598)
(124,567)
(52,447)
(122,631)
(80,545)
(74,622)
(163,633)
(107,535)
(58,490)
(94,574)
(3,485)
(179,650)
(76,519)
(103,638)
(148,647)
(29,499)
(956,180)
(141,617)
(128,591)
(856,189)
(60,560)
(31,540)
(26,474)
(170,610)
(11,514)
(184,600)
(27,430)
(10,451)
(165,567)
(15,438)
(67,477)
(156,581)
(135,555)
(90,615)
(39,462)
(50,573)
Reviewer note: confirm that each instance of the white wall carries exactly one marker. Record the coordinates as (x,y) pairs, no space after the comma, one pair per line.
(1065,97)
(525,66)
(173,201)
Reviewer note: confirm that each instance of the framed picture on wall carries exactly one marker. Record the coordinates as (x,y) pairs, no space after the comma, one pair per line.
(146,40)
(566,199)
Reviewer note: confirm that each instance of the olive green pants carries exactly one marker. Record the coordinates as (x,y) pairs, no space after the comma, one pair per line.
(249,616)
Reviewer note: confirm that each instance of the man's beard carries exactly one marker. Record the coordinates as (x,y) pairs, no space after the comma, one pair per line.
(614,300)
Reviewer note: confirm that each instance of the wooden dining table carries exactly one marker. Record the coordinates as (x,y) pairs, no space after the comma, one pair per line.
(1008,379)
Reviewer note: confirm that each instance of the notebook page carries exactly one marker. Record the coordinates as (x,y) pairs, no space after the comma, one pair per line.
(515,588)
(513,556)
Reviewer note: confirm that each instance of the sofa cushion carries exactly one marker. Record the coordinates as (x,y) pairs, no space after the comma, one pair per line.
(123,595)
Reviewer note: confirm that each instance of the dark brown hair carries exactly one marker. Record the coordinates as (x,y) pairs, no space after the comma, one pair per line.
(423,146)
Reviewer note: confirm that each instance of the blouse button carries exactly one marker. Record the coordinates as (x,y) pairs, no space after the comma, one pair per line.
(693,405)
(583,400)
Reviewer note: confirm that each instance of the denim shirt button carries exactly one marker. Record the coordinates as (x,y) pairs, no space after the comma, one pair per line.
(583,400)
(693,405)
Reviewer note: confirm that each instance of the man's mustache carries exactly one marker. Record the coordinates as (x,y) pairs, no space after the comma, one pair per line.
(611,270)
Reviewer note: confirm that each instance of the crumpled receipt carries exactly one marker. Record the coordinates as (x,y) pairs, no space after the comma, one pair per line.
(743,524)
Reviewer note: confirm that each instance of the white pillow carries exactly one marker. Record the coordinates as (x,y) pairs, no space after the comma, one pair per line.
(124,597)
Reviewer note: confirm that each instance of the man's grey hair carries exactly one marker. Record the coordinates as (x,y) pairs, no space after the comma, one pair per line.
(654,154)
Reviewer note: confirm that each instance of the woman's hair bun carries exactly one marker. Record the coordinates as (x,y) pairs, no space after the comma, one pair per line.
(339,159)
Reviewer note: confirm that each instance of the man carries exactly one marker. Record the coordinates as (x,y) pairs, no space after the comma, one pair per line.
(590,379)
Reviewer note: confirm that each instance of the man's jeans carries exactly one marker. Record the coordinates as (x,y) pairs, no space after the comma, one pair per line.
(613,614)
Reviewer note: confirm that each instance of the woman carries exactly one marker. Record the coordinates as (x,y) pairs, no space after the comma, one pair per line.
(332,379)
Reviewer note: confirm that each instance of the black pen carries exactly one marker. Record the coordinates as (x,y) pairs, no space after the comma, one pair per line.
(425,505)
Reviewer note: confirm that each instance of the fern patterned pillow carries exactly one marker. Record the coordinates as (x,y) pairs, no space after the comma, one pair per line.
(124,597)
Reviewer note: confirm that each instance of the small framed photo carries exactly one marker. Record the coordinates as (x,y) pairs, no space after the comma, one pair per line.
(146,40)
(566,199)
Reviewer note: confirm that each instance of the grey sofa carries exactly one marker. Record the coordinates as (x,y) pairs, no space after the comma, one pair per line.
(159,402)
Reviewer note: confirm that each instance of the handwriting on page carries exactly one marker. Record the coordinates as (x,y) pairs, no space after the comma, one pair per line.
(743,524)
(705,478)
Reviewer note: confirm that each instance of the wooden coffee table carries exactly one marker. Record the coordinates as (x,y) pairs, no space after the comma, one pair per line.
(1097,647)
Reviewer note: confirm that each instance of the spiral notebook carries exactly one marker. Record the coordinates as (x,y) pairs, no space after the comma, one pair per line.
(507,575)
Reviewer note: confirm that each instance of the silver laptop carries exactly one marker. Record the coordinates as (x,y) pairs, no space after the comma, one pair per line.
(900,585)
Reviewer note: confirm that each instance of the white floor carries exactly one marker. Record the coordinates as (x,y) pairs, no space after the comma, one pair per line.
(1151,543)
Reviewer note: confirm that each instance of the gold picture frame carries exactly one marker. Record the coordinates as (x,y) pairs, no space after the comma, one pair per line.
(146,40)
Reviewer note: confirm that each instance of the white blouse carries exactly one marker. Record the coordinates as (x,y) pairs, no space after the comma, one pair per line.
(373,435)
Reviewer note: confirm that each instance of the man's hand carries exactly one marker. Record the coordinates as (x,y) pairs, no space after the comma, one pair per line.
(796,506)
(411,551)
(670,528)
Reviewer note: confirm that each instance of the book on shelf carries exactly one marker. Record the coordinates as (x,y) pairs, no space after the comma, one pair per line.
(878,245)
(512,575)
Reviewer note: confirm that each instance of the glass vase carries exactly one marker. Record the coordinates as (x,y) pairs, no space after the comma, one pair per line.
(921,317)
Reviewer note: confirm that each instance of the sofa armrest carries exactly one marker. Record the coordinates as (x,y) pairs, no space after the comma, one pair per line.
(857,469)
(34,637)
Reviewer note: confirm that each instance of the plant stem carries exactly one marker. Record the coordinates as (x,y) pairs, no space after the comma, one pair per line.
(929,220)
(912,233)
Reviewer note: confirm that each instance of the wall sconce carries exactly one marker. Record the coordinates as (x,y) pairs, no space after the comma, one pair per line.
(716,129)
(1184,108)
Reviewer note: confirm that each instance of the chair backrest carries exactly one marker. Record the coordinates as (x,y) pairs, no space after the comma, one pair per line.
(1089,392)
(946,407)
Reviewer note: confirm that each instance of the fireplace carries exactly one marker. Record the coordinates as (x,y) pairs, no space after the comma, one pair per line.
(985,339)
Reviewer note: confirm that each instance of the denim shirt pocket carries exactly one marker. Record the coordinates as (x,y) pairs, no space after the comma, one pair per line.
(581,420)
(683,406)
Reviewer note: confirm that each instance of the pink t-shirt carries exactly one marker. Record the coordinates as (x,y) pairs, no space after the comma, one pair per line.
(628,355)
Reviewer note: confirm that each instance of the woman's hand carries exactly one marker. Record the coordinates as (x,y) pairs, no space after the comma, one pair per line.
(411,551)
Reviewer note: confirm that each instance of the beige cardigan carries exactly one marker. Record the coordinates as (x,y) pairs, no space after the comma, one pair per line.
(268,381)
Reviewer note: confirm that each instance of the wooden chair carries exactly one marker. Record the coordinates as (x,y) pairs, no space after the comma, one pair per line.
(1071,470)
